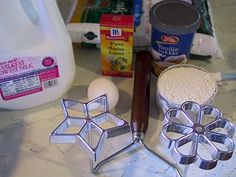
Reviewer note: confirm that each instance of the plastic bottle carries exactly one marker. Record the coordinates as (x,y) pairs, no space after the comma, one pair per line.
(36,54)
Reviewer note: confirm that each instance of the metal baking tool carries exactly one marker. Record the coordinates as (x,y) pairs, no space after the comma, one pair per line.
(140,109)
(88,119)
(88,122)
(198,134)
(216,77)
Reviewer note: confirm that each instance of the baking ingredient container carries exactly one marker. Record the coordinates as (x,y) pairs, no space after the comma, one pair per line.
(116,44)
(184,82)
(36,57)
(174,24)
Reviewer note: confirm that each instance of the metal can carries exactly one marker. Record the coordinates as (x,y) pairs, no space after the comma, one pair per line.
(174,24)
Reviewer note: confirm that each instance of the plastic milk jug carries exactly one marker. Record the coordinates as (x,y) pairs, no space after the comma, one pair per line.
(36,54)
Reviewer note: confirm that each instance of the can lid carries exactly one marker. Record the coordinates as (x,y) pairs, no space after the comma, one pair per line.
(174,17)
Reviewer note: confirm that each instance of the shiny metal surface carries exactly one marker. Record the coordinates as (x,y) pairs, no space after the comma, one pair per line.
(88,119)
(89,126)
(135,142)
(198,134)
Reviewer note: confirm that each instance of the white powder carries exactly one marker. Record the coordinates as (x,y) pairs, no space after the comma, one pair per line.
(181,84)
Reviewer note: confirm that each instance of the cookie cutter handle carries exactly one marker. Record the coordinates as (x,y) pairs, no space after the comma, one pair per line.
(141,94)
(224,76)
(228,76)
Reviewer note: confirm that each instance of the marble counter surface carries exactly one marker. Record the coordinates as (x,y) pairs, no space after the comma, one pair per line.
(25,150)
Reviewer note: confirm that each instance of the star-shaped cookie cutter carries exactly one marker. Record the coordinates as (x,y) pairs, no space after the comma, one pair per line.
(88,119)
(198,134)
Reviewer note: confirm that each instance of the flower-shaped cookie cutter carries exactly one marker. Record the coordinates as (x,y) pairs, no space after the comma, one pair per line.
(91,123)
(198,134)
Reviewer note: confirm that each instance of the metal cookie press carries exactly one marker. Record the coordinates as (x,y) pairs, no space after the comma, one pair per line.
(186,122)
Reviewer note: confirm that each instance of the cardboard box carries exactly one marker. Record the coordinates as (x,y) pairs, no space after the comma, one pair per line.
(116,44)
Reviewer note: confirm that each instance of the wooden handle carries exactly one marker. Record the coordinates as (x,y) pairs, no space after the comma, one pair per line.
(141,92)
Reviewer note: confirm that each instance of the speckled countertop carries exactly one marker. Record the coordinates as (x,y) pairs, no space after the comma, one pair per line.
(25,150)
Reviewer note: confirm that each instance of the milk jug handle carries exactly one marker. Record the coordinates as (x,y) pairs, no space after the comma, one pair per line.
(30,10)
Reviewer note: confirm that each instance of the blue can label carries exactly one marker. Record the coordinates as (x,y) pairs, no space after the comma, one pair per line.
(167,45)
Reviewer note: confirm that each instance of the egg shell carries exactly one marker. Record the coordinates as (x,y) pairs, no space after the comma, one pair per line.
(100,86)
